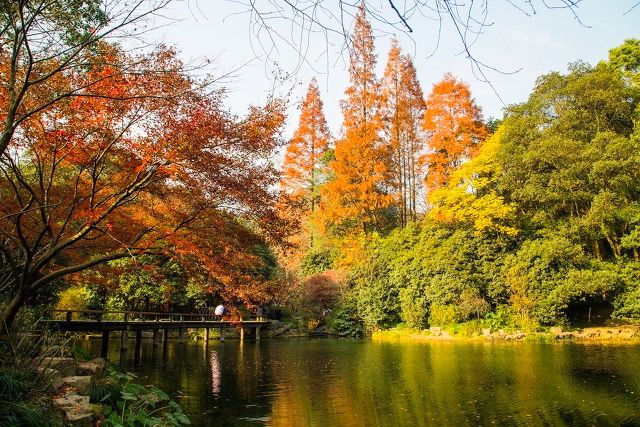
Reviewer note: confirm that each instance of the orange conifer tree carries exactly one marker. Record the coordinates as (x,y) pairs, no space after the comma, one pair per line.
(355,196)
(454,126)
(305,150)
(403,111)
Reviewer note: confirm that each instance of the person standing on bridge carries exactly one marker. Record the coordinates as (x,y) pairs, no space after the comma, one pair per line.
(219,311)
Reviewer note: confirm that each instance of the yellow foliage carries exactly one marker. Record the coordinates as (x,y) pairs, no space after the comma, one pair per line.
(469,197)
(72,299)
(352,249)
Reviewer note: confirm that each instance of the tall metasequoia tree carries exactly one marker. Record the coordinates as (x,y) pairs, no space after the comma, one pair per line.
(454,126)
(355,196)
(403,111)
(301,171)
(305,150)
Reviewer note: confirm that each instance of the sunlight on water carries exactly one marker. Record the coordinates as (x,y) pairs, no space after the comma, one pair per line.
(341,382)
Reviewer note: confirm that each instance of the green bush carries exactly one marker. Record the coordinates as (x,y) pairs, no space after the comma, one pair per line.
(25,414)
(344,320)
(468,329)
(442,315)
(627,303)
(15,382)
(503,317)
(413,306)
(500,318)
(279,312)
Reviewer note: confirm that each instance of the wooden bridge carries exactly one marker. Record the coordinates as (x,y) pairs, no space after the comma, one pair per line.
(138,321)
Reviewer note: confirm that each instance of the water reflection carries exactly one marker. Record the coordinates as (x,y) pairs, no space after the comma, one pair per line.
(352,383)
(216,373)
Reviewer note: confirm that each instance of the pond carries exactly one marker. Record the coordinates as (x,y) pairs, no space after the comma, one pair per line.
(333,382)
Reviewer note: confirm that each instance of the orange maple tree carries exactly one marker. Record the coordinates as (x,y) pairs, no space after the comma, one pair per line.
(454,127)
(403,111)
(355,197)
(145,162)
(43,42)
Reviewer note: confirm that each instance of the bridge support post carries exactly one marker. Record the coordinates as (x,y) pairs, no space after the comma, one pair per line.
(156,337)
(124,340)
(137,350)
(181,335)
(165,342)
(242,333)
(257,333)
(124,346)
(221,334)
(206,336)
(104,346)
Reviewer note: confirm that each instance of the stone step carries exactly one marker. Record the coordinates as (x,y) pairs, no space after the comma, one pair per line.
(52,375)
(75,409)
(93,367)
(80,383)
(66,366)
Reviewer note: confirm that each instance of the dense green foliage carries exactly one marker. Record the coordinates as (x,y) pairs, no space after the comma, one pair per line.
(541,226)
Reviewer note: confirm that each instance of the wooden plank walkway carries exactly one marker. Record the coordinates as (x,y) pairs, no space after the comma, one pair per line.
(138,321)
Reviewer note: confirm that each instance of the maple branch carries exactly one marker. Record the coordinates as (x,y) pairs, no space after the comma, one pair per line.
(67,55)
(75,268)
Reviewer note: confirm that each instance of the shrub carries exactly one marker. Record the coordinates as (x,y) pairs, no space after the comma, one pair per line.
(344,320)
(279,312)
(24,414)
(627,303)
(501,318)
(442,315)
(378,304)
(468,329)
(319,292)
(413,306)
(106,392)
(472,305)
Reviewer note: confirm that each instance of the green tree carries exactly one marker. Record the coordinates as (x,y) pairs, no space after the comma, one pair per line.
(568,158)
(626,58)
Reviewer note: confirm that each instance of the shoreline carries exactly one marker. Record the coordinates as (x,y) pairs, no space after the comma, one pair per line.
(623,334)
(628,334)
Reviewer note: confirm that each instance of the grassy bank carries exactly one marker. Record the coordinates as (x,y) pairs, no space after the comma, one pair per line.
(625,333)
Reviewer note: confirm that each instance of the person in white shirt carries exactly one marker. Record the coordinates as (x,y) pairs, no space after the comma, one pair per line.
(219,311)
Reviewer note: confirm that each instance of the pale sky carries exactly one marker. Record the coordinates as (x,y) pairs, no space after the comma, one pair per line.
(538,44)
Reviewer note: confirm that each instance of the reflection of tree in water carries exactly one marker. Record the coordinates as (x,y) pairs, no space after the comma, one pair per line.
(216,373)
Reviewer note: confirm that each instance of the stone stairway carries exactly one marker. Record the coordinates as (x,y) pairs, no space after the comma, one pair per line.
(72,382)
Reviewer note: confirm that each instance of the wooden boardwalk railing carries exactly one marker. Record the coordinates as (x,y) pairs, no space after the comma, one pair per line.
(125,321)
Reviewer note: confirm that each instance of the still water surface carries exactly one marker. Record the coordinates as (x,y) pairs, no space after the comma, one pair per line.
(330,382)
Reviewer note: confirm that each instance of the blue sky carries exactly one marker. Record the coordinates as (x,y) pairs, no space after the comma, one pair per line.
(536,44)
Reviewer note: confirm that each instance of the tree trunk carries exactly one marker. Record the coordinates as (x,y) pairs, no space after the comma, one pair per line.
(598,250)
(8,314)
(615,247)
